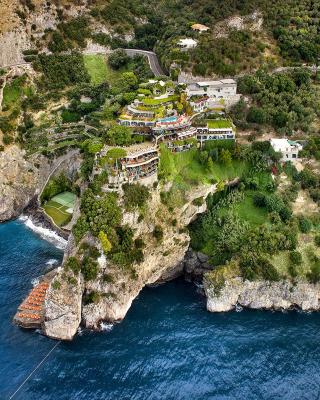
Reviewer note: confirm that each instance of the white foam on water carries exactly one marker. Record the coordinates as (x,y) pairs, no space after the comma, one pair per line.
(239,308)
(104,326)
(35,282)
(51,262)
(45,233)
(80,331)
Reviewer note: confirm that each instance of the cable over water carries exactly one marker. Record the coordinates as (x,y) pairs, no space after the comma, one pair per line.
(34,370)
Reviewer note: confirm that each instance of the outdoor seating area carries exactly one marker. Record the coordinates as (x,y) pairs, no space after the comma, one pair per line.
(32,307)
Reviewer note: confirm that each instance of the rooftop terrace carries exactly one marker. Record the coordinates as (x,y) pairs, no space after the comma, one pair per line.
(219,123)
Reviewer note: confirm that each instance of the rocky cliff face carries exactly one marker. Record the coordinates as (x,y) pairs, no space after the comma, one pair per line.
(162,261)
(283,295)
(21,27)
(21,178)
(63,309)
(18,180)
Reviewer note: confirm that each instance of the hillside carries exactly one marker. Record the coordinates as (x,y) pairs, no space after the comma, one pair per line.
(241,37)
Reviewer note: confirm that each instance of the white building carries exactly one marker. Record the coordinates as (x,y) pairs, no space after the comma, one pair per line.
(187,44)
(288,148)
(216,130)
(222,89)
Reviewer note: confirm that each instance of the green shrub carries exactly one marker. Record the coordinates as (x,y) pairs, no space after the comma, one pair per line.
(73,264)
(198,201)
(89,269)
(317,240)
(158,232)
(314,275)
(292,269)
(70,116)
(135,195)
(139,243)
(56,285)
(92,297)
(305,224)
(259,199)
(295,257)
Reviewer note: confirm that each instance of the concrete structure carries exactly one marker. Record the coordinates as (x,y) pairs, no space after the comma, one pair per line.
(222,89)
(288,148)
(140,163)
(218,130)
(187,43)
(173,128)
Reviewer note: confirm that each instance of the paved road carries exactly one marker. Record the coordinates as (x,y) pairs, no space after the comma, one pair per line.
(152,58)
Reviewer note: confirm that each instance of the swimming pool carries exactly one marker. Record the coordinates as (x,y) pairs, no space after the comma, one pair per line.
(168,119)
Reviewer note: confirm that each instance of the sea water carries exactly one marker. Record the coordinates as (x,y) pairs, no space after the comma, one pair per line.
(168,346)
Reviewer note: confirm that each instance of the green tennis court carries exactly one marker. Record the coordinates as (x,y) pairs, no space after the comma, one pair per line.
(60,207)
(67,199)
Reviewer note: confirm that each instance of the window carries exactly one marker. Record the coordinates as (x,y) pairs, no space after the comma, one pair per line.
(294,156)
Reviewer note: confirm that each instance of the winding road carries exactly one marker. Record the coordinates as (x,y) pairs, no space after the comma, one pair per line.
(152,58)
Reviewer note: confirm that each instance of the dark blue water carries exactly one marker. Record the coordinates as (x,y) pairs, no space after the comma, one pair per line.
(168,347)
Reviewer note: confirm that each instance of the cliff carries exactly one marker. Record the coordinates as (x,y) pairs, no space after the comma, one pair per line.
(22,25)
(282,295)
(18,182)
(21,179)
(163,260)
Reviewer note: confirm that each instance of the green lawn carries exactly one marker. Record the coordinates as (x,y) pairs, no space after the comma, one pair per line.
(12,92)
(156,102)
(60,206)
(57,212)
(281,261)
(249,212)
(185,168)
(219,123)
(96,66)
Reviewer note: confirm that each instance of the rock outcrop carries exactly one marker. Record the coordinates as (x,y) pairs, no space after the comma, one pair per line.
(62,309)
(18,181)
(21,179)
(117,287)
(283,295)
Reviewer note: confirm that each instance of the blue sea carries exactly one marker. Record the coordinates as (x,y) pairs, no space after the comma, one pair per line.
(168,347)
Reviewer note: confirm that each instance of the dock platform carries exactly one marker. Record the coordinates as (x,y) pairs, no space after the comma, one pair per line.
(30,313)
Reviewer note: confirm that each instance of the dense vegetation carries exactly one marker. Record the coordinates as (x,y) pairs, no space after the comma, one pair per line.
(247,223)
(289,102)
(101,216)
(289,33)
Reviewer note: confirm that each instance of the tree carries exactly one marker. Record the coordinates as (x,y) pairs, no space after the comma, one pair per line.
(118,135)
(118,59)
(210,165)
(256,115)
(127,82)
(135,195)
(112,156)
(296,257)
(225,157)
(203,157)
(105,243)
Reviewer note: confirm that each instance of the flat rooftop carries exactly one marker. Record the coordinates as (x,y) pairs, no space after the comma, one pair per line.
(139,148)
(217,83)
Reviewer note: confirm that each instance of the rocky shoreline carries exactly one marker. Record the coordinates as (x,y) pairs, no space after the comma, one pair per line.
(40,218)
(264,295)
